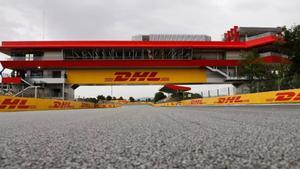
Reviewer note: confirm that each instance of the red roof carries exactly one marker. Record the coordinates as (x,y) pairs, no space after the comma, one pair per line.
(169,88)
(9,45)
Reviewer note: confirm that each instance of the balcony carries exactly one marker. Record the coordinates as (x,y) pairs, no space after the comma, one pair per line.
(46,80)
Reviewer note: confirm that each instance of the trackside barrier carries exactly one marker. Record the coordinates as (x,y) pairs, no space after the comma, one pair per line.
(276,97)
(10,103)
(139,103)
(108,105)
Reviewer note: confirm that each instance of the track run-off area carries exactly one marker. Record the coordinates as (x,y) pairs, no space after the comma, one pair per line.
(141,136)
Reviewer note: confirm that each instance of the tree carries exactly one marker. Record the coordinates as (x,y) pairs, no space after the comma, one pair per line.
(91,99)
(292,47)
(159,96)
(120,98)
(108,98)
(252,68)
(100,97)
(131,99)
(114,98)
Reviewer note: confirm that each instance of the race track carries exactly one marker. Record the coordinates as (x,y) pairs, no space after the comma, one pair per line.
(149,137)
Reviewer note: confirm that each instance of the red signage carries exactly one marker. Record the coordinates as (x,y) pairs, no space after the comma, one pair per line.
(199,101)
(287,96)
(15,104)
(61,104)
(86,105)
(232,99)
(136,76)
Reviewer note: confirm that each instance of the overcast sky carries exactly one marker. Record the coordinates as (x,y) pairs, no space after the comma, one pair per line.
(120,19)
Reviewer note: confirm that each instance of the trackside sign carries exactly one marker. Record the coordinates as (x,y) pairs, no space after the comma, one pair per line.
(135,76)
(286,96)
(10,103)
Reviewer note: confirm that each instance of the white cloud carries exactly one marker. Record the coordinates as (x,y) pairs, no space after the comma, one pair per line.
(120,19)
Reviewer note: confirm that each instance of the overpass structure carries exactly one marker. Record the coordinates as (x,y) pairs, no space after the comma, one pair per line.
(54,69)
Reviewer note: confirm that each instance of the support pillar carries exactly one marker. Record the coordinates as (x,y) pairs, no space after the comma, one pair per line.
(63,91)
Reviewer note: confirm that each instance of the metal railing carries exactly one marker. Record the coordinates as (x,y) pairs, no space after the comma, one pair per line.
(226,91)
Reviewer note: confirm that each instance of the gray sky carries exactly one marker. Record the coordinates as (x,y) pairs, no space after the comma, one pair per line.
(120,19)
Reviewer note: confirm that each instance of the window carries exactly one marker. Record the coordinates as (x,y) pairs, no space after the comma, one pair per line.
(36,74)
(56,74)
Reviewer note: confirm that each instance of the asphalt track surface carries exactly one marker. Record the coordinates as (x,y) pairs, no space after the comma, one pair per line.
(148,137)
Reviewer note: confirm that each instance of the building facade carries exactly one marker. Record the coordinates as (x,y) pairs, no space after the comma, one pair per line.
(54,69)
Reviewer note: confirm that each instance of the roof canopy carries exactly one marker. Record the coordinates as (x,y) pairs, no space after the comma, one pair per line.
(8,46)
(169,88)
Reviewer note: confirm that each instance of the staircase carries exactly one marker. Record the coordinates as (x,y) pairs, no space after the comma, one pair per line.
(30,86)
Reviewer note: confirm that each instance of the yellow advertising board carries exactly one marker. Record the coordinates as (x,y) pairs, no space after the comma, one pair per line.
(135,76)
(10,103)
(274,97)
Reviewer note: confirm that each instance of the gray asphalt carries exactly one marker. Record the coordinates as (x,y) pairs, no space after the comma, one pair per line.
(148,137)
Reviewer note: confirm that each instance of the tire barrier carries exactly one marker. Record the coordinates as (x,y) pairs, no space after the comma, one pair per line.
(10,103)
(274,97)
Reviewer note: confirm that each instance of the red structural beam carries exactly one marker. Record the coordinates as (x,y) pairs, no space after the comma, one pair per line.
(115,63)
(262,41)
(47,45)
(120,44)
(176,87)
(11,80)
(276,59)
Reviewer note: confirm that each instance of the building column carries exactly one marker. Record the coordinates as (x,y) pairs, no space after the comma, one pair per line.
(63,91)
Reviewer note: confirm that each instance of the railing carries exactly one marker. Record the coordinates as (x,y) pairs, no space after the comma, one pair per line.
(226,91)
(230,73)
(13,58)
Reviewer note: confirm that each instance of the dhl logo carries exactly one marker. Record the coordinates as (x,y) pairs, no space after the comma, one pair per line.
(232,99)
(61,105)
(287,96)
(199,101)
(86,105)
(15,104)
(136,76)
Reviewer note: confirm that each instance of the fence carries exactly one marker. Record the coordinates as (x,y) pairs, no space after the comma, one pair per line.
(227,91)
(271,85)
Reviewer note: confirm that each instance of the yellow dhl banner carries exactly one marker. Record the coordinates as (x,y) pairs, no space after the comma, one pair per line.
(135,76)
(284,96)
(10,103)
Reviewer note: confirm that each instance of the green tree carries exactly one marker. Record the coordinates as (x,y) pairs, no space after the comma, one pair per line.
(253,69)
(292,47)
(121,98)
(91,99)
(131,99)
(100,97)
(108,98)
(159,96)
(114,98)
